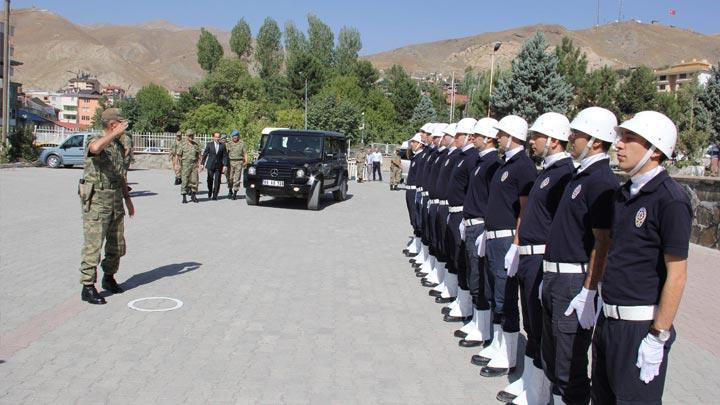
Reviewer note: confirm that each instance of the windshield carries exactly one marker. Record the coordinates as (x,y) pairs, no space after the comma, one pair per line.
(293,146)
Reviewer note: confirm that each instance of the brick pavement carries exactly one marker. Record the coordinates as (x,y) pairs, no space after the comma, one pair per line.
(281,305)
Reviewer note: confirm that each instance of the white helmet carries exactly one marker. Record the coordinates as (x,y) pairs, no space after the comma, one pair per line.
(451,129)
(552,124)
(466,125)
(514,126)
(656,128)
(597,122)
(427,128)
(438,129)
(417,138)
(404,145)
(486,127)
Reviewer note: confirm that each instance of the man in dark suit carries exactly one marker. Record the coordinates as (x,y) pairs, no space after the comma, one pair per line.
(215,160)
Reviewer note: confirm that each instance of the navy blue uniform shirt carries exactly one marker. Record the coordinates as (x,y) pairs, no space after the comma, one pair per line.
(655,222)
(460,176)
(475,204)
(443,179)
(410,181)
(435,170)
(585,205)
(543,202)
(511,181)
(420,164)
(427,167)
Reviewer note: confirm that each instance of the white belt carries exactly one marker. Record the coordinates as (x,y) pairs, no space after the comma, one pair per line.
(531,250)
(634,313)
(454,210)
(443,202)
(434,201)
(473,221)
(499,234)
(552,267)
(425,193)
(411,187)
(419,189)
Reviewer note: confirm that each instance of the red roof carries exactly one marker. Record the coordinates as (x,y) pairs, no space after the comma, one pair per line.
(67,125)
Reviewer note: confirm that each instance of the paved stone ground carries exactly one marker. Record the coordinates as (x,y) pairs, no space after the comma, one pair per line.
(281,305)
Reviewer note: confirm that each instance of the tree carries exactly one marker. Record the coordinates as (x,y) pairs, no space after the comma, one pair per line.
(638,92)
(304,66)
(155,109)
(241,39)
(599,89)
(328,113)
(424,112)
(320,40)
(295,41)
(710,99)
(477,87)
(206,119)
(366,73)
(268,50)
(229,81)
(404,93)
(349,45)
(534,86)
(97,116)
(209,50)
(289,118)
(572,63)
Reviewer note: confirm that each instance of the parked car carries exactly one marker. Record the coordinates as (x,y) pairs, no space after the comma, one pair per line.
(70,152)
(299,164)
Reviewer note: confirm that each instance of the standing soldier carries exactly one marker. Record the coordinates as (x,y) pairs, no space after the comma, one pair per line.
(238,159)
(189,156)
(395,170)
(224,141)
(102,191)
(646,268)
(360,157)
(174,157)
(128,155)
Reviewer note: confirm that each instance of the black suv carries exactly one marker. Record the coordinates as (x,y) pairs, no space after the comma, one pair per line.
(299,164)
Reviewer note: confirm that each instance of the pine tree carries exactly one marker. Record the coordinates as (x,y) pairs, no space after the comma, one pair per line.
(710,99)
(209,50)
(599,89)
(404,93)
(534,85)
(423,112)
(638,92)
(241,39)
(269,51)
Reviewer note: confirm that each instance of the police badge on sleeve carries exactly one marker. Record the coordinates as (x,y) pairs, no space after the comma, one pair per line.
(504,176)
(545,182)
(640,217)
(576,191)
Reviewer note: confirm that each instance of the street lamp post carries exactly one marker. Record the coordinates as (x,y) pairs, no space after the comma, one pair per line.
(362,129)
(492,70)
(306,102)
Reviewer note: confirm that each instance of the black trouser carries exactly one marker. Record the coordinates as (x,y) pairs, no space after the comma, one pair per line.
(456,249)
(213,180)
(615,377)
(376,168)
(495,250)
(423,212)
(440,228)
(564,343)
(529,276)
(410,202)
(477,281)
(432,214)
(418,215)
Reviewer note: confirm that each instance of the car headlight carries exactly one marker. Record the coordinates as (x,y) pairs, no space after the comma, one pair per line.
(300,173)
(251,170)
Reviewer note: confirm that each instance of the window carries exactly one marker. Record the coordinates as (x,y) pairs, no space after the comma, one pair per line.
(663,78)
(70,108)
(683,75)
(74,141)
(71,117)
(662,87)
(293,145)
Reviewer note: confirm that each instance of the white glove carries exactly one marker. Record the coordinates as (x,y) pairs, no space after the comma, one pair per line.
(512,259)
(584,305)
(462,230)
(650,356)
(480,243)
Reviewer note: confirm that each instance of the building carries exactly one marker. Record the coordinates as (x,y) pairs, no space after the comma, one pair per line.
(674,77)
(83,82)
(87,103)
(113,93)
(14,86)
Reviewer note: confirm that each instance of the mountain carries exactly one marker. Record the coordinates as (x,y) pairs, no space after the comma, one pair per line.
(618,45)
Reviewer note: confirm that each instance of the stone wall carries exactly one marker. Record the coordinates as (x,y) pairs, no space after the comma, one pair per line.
(152,161)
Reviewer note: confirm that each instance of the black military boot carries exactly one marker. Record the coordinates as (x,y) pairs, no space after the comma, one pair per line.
(109,284)
(230,193)
(184,199)
(178,181)
(91,295)
(193,197)
(235,195)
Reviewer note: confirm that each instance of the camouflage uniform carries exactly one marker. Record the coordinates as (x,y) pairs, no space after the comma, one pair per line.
(101,193)
(173,155)
(188,154)
(236,153)
(360,158)
(395,171)
(127,142)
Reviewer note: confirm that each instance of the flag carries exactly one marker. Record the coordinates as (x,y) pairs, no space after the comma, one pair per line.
(672,11)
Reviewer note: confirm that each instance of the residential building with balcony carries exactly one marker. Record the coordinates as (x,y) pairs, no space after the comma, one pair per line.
(672,78)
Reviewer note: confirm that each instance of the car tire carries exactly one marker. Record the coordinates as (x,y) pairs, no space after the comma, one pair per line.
(314,197)
(53,161)
(252,197)
(341,195)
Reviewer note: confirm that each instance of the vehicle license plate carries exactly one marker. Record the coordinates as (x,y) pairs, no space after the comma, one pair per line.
(273,183)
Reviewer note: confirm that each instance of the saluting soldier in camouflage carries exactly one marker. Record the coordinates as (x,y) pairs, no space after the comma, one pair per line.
(102,191)
(395,170)
(238,159)
(189,156)
(174,157)
(360,158)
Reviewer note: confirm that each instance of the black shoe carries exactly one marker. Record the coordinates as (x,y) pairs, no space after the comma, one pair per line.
(479,360)
(91,295)
(426,283)
(193,197)
(460,334)
(184,199)
(109,284)
(420,274)
(178,181)
(505,397)
(445,310)
(230,193)
(472,343)
(441,300)
(434,293)
(234,195)
(496,372)
(448,318)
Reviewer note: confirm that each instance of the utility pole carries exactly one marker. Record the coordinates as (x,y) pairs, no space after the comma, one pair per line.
(6,78)
(305,102)
(362,130)
(452,98)
(492,70)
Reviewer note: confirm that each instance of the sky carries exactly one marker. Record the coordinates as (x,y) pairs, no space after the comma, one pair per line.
(389,24)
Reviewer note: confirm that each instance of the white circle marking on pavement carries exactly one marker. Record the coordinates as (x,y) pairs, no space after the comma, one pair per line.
(177,302)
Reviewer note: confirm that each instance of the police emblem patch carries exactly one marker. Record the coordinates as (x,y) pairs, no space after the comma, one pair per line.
(640,217)
(504,176)
(545,182)
(576,191)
